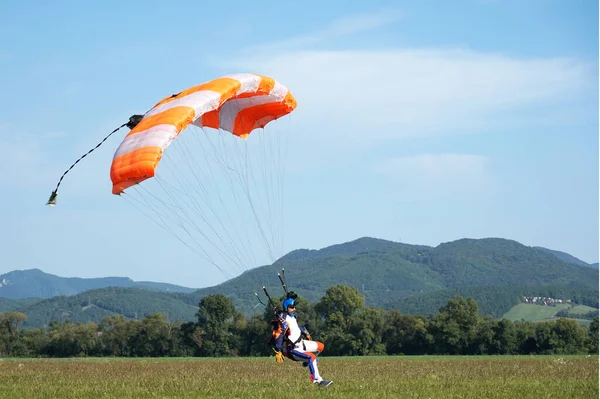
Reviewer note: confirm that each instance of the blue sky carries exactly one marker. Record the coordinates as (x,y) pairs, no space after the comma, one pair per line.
(422,122)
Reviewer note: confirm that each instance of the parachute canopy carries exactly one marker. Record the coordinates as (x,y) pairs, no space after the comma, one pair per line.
(218,193)
(236,103)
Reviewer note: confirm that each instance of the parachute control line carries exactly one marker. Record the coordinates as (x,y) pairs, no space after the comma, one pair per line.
(133,122)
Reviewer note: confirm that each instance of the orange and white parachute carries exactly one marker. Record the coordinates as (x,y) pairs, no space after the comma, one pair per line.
(236,103)
(219,187)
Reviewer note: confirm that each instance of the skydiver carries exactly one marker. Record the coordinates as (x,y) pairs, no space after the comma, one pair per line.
(289,343)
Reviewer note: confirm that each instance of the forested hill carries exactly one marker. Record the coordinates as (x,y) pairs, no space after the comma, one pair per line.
(364,244)
(34,283)
(95,305)
(385,271)
(568,257)
(411,278)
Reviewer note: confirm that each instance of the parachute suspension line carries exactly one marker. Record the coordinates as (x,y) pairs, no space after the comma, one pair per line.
(228,171)
(196,205)
(133,121)
(251,187)
(166,227)
(275,151)
(267,178)
(180,224)
(272,170)
(283,163)
(182,198)
(184,216)
(279,161)
(267,206)
(239,171)
(280,166)
(236,155)
(282,137)
(272,178)
(236,242)
(278,184)
(271,174)
(170,207)
(185,152)
(192,223)
(254,212)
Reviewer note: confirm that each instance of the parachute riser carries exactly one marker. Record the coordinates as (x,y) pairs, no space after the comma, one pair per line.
(282,280)
(274,307)
(288,294)
(269,298)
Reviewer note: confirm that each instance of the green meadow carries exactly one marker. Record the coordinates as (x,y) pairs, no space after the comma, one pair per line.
(354,377)
(530,312)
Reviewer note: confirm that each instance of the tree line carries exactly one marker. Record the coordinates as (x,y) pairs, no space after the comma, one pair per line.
(340,320)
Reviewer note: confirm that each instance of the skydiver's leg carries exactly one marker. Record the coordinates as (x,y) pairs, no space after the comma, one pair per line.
(307,352)
(315,347)
(311,359)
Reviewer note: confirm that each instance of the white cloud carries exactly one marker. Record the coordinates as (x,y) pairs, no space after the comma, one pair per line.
(341,27)
(408,92)
(360,23)
(351,101)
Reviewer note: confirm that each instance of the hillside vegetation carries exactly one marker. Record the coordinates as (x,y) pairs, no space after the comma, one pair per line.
(386,274)
(340,320)
(493,301)
(568,258)
(531,312)
(95,305)
(34,283)
(411,278)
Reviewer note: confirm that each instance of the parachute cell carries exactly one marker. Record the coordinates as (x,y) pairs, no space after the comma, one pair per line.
(236,103)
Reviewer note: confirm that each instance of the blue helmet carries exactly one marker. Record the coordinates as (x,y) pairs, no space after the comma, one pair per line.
(288,302)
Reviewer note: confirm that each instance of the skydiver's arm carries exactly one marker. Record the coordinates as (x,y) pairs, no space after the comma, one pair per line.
(279,339)
(305,332)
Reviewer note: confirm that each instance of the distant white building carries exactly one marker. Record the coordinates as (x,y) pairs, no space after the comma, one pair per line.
(544,300)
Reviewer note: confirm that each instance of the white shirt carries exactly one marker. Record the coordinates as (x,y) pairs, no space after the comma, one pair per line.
(292,324)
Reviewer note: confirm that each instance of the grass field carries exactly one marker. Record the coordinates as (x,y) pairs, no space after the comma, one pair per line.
(531,312)
(354,377)
(581,309)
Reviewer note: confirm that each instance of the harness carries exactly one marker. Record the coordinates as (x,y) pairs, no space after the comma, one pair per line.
(276,332)
(295,342)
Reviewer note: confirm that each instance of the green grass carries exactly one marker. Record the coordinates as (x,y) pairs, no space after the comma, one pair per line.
(354,377)
(584,322)
(581,309)
(531,312)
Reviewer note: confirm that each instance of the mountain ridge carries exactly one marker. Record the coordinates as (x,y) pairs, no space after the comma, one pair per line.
(386,273)
(568,257)
(360,246)
(35,283)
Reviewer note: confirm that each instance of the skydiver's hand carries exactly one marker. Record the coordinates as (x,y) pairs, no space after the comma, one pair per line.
(279,357)
(308,337)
